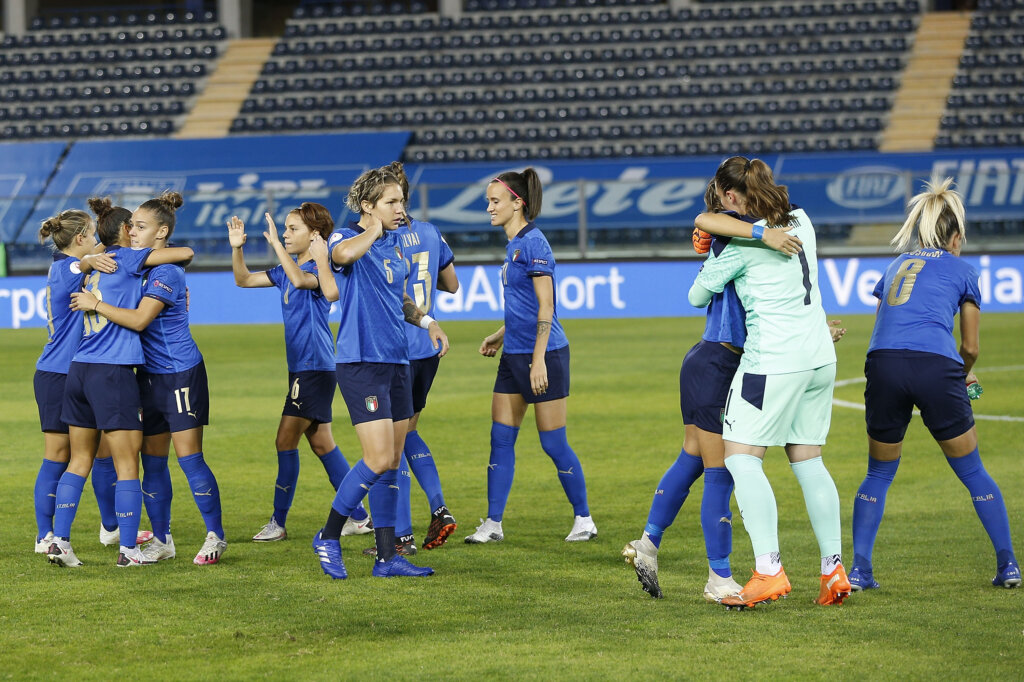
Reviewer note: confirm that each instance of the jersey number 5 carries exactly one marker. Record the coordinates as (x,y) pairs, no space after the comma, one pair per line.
(903,283)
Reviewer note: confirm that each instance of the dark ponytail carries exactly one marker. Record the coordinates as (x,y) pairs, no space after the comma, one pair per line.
(163,207)
(525,186)
(110,220)
(753,179)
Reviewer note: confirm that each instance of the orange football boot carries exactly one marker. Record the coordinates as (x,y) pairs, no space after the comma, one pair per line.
(835,587)
(759,589)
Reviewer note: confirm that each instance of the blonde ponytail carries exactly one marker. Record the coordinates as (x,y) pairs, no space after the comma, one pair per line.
(934,216)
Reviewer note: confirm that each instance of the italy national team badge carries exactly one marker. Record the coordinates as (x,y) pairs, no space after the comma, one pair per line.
(371,403)
(515,254)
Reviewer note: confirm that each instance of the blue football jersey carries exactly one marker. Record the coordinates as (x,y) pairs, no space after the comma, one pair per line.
(726,320)
(63,324)
(104,342)
(428,254)
(307,333)
(167,342)
(371,289)
(528,255)
(920,295)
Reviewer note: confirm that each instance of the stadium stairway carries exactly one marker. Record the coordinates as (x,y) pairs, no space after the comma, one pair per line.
(926,82)
(227,88)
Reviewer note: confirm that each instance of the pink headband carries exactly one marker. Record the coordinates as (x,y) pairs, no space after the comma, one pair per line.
(508,188)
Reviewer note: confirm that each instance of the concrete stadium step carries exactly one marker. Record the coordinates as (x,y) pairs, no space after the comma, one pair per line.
(227,88)
(926,82)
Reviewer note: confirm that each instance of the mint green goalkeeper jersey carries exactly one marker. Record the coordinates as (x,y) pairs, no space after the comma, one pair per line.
(786,327)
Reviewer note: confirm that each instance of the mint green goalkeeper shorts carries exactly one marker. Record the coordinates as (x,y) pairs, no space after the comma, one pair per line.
(780,409)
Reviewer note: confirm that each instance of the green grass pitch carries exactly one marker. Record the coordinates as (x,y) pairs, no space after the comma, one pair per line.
(532,607)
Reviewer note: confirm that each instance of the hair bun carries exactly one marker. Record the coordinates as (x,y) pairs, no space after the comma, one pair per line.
(49,227)
(172,200)
(101,207)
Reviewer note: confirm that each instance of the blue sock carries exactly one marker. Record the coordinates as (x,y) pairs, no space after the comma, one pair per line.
(403,509)
(501,468)
(423,467)
(988,503)
(45,495)
(353,488)
(716,519)
(128,503)
(104,478)
(337,469)
(868,507)
(157,493)
(205,491)
(570,471)
(284,486)
(671,493)
(384,499)
(334,463)
(69,495)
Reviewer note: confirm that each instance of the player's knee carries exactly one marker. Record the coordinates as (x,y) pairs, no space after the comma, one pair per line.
(555,444)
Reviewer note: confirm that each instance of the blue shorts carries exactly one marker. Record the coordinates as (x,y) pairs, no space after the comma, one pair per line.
(514,375)
(704,381)
(310,395)
(174,402)
(49,390)
(375,390)
(103,397)
(423,373)
(897,380)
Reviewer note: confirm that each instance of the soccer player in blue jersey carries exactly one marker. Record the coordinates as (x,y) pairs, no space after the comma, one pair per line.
(101,393)
(781,393)
(372,364)
(306,299)
(534,365)
(913,361)
(704,379)
(432,268)
(172,384)
(73,233)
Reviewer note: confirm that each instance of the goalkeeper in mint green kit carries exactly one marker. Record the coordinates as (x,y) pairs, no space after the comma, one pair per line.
(782,392)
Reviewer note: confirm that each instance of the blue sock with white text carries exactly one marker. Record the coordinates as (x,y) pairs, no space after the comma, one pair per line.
(988,503)
(128,503)
(403,511)
(69,496)
(672,491)
(423,467)
(868,508)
